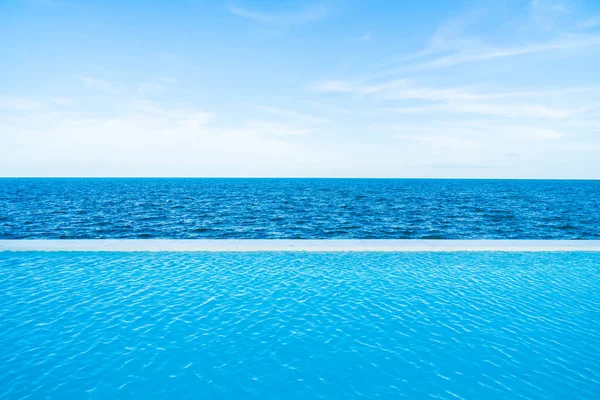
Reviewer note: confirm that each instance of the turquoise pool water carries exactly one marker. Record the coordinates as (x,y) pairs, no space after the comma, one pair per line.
(299,325)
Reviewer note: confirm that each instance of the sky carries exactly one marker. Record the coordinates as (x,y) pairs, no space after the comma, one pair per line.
(305,88)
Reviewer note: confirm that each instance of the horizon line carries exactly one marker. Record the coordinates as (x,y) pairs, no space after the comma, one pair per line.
(300,177)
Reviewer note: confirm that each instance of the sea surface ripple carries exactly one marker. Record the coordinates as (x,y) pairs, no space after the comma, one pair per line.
(299,325)
(298,209)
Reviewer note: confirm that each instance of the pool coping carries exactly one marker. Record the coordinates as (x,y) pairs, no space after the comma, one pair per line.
(308,245)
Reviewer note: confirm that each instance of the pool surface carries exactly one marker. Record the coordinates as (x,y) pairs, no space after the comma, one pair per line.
(299,325)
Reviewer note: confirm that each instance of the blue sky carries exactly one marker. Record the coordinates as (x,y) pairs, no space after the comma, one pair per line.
(484,89)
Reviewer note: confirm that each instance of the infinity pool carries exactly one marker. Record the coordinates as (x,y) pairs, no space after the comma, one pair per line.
(299,325)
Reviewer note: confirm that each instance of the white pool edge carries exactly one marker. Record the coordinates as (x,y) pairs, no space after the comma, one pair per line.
(251,245)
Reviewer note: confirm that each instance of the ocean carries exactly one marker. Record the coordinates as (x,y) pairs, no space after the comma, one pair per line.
(298,209)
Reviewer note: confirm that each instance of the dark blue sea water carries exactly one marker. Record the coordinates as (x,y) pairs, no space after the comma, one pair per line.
(300,325)
(298,208)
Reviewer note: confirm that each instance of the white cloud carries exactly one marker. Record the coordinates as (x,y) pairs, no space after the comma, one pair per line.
(19,103)
(449,142)
(333,87)
(102,85)
(184,117)
(343,86)
(460,100)
(290,114)
(510,110)
(149,139)
(417,110)
(540,133)
(403,90)
(366,37)
(450,45)
(311,13)
(152,87)
(548,5)
(157,86)
(581,147)
(465,134)
(546,14)
(456,100)
(505,110)
(65,101)
(490,53)
(451,34)
(589,23)
(275,128)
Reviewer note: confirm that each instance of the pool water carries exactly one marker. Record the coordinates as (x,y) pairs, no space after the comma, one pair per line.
(299,325)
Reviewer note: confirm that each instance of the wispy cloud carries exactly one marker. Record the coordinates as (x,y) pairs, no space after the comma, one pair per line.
(545,14)
(182,117)
(158,86)
(176,142)
(333,86)
(473,134)
(488,53)
(504,110)
(490,164)
(449,142)
(450,36)
(290,114)
(102,85)
(461,100)
(366,37)
(19,103)
(402,89)
(344,86)
(283,122)
(549,5)
(543,133)
(451,45)
(276,128)
(589,23)
(311,13)
(65,101)
(451,33)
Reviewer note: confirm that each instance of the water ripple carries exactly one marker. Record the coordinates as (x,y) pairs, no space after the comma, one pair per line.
(298,209)
(300,325)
